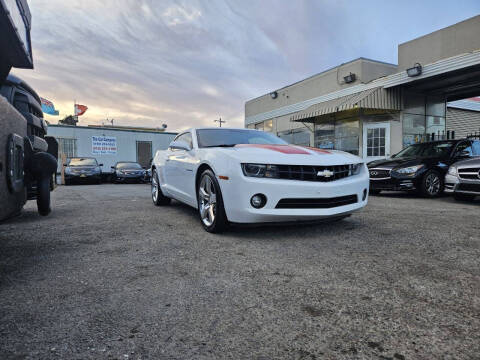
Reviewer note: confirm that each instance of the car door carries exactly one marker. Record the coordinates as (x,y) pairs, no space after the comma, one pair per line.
(179,168)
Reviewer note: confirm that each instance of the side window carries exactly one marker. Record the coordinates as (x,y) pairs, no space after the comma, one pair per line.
(186,138)
(20,102)
(464,146)
(476,147)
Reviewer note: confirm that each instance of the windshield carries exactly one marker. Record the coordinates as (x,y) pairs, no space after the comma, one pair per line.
(128,165)
(82,162)
(433,149)
(231,137)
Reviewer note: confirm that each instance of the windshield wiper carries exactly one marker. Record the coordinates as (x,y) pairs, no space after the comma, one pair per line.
(221,145)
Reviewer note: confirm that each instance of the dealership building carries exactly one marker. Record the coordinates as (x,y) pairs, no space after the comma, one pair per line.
(374,109)
(110,144)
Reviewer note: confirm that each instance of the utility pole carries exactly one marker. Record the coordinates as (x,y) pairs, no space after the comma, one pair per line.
(220,121)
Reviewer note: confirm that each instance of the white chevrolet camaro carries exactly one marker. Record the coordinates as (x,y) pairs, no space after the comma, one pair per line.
(250,176)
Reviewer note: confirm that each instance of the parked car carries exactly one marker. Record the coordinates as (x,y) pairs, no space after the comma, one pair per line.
(128,171)
(463,179)
(421,167)
(250,176)
(148,172)
(83,170)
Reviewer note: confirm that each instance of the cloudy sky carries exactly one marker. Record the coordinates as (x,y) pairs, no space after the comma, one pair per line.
(185,63)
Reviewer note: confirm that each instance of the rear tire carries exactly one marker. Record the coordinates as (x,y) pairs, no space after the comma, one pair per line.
(463,197)
(210,204)
(432,184)
(157,195)
(43,196)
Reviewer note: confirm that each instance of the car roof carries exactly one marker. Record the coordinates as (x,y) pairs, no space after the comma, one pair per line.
(216,128)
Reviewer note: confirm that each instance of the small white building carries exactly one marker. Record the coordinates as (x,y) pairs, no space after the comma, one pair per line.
(110,144)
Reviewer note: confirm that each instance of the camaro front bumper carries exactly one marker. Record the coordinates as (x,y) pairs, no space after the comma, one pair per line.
(327,199)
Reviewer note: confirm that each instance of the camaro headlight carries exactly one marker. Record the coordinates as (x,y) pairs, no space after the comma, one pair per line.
(452,170)
(355,168)
(260,170)
(409,170)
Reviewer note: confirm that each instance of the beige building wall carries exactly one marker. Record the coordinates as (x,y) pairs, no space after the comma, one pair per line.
(460,38)
(320,84)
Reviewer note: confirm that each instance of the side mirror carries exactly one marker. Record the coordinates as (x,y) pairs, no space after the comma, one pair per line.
(100,164)
(112,167)
(463,154)
(65,164)
(180,145)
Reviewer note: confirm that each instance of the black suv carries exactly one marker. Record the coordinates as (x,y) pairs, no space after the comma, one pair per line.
(421,167)
(39,151)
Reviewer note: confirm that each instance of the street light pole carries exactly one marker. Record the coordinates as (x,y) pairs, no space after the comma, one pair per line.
(220,121)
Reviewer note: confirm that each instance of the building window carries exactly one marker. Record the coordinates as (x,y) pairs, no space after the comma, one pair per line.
(325,135)
(259,126)
(376,142)
(296,136)
(68,147)
(268,125)
(347,135)
(251,126)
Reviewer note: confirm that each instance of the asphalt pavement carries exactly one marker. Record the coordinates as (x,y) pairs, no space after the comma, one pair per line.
(110,276)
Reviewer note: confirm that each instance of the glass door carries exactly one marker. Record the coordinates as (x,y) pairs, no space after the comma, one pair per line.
(376,141)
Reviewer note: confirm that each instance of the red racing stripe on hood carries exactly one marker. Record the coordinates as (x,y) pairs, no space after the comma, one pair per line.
(321,151)
(285,149)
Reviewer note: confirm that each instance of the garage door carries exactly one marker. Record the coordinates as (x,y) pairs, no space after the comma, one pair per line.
(144,153)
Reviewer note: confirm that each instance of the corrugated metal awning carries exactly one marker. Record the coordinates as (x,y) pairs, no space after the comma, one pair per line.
(375,98)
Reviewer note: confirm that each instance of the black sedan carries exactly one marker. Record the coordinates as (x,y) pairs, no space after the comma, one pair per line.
(128,171)
(420,167)
(83,170)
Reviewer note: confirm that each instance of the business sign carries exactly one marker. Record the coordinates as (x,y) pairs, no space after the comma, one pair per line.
(104,145)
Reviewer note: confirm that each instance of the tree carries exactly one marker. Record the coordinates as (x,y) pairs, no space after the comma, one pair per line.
(69,120)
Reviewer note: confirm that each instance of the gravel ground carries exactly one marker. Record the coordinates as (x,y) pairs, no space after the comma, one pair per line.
(108,275)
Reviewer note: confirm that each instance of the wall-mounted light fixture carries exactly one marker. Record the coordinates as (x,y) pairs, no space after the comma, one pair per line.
(415,70)
(350,78)
(274,95)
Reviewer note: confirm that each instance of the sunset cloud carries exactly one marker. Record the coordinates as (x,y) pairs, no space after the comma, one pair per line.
(185,63)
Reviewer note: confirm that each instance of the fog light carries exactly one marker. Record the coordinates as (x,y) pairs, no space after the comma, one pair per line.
(364,194)
(258,201)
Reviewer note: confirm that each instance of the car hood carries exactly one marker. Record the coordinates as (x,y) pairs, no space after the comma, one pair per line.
(288,155)
(83,167)
(469,162)
(396,162)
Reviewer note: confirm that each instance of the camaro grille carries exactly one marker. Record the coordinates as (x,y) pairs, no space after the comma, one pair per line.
(313,173)
(469,173)
(318,203)
(379,173)
(469,187)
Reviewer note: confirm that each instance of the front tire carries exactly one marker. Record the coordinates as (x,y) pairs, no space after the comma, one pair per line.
(432,184)
(210,203)
(157,195)
(43,196)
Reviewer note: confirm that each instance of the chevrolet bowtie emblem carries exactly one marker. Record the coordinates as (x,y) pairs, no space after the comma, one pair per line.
(325,173)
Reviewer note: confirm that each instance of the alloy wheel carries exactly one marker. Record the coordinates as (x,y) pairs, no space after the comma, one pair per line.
(154,187)
(432,184)
(207,200)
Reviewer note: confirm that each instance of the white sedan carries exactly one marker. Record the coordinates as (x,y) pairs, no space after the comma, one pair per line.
(250,176)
